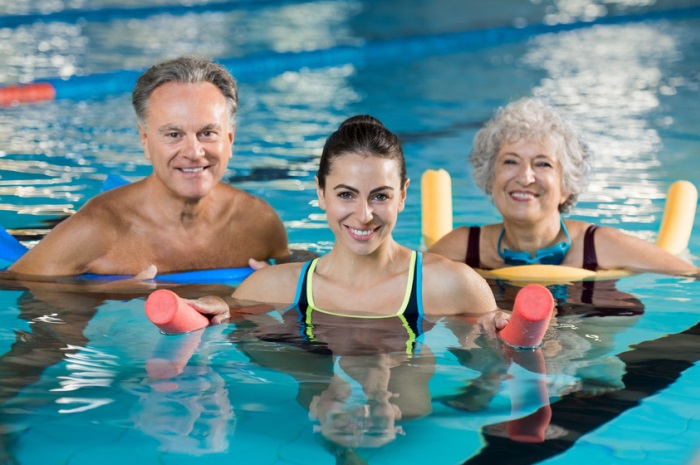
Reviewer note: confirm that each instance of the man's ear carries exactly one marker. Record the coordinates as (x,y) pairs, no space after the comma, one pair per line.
(143,136)
(231,134)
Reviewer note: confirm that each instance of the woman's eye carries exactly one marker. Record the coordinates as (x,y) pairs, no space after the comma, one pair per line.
(345,195)
(381,197)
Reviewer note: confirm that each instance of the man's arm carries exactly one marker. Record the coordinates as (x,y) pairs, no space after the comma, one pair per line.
(275,239)
(66,251)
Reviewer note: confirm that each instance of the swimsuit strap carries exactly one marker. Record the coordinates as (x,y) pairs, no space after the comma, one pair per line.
(590,262)
(590,258)
(300,298)
(415,302)
(473,256)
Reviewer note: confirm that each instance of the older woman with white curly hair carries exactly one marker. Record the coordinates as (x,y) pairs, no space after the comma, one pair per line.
(534,165)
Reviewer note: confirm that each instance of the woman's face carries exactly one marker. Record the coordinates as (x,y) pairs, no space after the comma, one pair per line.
(527,183)
(362,199)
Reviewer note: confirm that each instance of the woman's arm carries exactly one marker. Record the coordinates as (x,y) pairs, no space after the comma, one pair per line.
(453,245)
(616,249)
(451,288)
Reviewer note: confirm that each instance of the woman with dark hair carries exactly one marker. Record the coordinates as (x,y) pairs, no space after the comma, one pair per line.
(361,185)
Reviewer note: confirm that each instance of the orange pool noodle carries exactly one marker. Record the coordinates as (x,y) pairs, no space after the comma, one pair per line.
(28,93)
(172,314)
(532,310)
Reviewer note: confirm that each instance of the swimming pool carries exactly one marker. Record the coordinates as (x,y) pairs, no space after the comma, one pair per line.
(83,377)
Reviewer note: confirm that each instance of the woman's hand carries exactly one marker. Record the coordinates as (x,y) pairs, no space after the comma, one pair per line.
(213,307)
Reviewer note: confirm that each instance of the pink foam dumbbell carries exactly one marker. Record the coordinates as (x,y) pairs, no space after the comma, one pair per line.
(172,314)
(529,321)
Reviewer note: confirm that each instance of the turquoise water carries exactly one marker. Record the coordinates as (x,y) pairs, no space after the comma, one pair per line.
(75,381)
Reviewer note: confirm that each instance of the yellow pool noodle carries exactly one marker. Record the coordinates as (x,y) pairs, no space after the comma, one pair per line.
(436,204)
(679,216)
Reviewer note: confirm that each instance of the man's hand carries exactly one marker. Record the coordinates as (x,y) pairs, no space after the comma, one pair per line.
(257,264)
(149,273)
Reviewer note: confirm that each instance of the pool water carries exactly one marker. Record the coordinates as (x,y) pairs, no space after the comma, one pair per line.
(85,378)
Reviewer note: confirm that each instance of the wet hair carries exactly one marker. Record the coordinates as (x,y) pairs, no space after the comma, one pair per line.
(363,135)
(533,120)
(187,70)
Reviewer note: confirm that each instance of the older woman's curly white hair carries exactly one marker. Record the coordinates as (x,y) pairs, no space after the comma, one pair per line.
(533,120)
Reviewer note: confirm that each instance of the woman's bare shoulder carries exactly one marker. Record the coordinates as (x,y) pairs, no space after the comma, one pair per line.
(451,287)
(275,284)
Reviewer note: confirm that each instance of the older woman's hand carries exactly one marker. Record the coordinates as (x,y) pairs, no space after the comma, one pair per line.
(492,322)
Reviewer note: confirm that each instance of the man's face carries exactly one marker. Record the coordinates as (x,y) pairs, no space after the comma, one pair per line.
(187,135)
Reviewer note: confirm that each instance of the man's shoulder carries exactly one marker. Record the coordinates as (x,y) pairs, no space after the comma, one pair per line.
(243,204)
(229,192)
(111,207)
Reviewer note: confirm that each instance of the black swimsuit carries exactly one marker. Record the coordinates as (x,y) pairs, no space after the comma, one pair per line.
(590,258)
(410,314)
(609,300)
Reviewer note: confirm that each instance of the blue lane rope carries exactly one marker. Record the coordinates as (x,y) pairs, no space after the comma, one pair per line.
(266,64)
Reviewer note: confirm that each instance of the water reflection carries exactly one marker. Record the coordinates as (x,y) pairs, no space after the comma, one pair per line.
(608,80)
(66,48)
(349,390)
(184,406)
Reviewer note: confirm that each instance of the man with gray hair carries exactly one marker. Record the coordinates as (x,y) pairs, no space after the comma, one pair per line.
(181,217)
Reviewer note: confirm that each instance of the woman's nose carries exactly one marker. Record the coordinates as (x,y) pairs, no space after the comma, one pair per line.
(365,213)
(526,175)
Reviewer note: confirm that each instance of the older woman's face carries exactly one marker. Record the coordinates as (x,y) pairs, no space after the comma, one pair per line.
(527,182)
